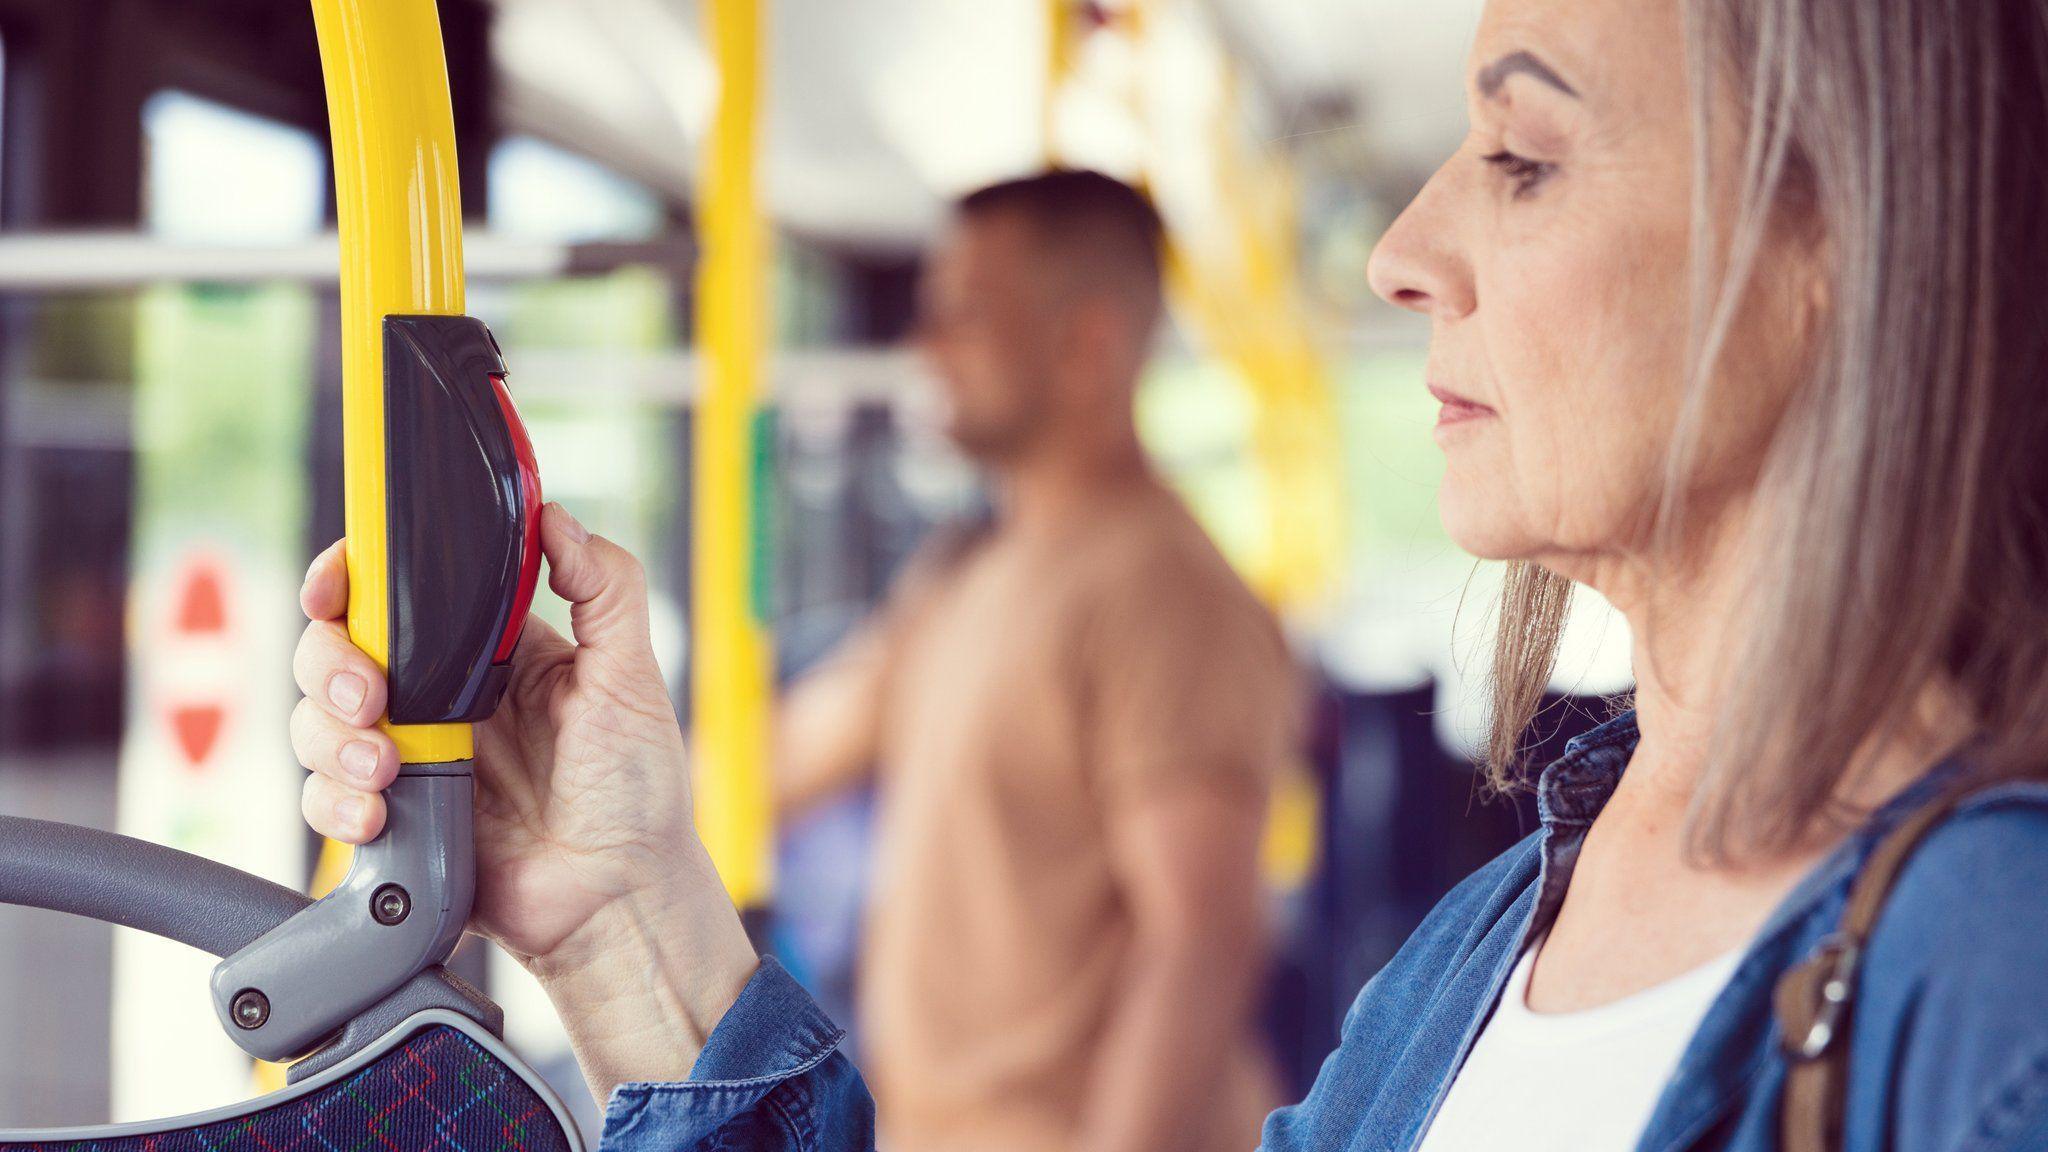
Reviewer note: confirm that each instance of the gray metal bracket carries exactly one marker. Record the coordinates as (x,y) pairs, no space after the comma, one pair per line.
(400,911)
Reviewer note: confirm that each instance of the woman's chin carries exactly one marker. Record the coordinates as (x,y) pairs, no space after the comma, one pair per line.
(1483,524)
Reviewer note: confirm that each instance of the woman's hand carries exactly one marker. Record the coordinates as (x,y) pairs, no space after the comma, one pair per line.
(589,869)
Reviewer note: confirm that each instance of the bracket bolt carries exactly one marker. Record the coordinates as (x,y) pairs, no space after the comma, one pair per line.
(251,1009)
(390,904)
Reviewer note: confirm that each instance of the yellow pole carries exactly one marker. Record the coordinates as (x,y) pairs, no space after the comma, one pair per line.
(1240,295)
(729,649)
(1059,63)
(399,210)
(400,215)
(1244,307)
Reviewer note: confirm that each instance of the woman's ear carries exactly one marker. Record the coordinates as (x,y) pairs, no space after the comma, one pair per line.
(1798,233)
(1819,315)
(1813,297)
(1820,284)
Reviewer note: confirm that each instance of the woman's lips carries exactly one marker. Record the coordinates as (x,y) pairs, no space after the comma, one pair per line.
(1456,409)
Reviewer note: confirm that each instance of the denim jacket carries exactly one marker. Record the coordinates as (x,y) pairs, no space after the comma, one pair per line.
(1949,1042)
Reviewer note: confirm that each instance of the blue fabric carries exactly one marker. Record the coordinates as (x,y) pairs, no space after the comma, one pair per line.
(770,1077)
(1949,1047)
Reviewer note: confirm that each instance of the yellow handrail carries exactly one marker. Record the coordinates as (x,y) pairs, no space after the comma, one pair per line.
(399,210)
(1237,290)
(731,677)
(1238,295)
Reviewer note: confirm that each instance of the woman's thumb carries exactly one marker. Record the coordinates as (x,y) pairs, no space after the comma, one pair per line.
(604,585)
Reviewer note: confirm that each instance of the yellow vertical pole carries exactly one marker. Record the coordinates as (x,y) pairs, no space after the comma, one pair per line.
(399,209)
(1059,63)
(1240,295)
(398,205)
(1243,307)
(729,647)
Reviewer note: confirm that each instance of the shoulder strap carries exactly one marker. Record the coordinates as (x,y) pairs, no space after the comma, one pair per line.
(1814,1000)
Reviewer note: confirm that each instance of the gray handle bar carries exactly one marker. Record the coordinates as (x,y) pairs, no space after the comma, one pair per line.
(137,884)
(203,904)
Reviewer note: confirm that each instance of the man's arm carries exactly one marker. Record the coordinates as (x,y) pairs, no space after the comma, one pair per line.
(828,725)
(1195,707)
(1188,862)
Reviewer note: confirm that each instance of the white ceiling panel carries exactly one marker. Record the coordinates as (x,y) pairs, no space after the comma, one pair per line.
(879,110)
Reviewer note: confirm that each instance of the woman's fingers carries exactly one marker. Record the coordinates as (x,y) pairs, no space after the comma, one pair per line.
(330,669)
(324,595)
(603,583)
(335,674)
(361,758)
(333,729)
(341,813)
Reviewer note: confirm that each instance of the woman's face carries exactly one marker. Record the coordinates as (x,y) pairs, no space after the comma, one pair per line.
(1552,254)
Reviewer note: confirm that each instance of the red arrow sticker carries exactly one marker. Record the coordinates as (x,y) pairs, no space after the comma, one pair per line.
(195,666)
(197,727)
(201,606)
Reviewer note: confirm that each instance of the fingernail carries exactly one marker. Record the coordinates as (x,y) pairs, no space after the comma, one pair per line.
(349,812)
(346,690)
(359,759)
(573,526)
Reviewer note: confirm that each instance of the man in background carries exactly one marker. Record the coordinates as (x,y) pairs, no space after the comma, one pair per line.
(1076,714)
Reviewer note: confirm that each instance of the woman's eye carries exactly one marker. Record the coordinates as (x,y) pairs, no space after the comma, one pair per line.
(1525,174)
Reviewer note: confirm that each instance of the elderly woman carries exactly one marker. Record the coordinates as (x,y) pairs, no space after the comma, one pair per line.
(1739,315)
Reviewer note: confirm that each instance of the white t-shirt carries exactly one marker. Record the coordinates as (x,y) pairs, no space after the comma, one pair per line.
(1572,1081)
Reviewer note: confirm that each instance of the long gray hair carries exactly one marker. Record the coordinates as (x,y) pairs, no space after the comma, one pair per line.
(1902,519)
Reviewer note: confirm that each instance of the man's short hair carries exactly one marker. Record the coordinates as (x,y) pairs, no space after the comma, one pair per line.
(1103,224)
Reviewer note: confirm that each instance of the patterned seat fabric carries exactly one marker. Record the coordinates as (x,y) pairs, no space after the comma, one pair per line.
(439,1091)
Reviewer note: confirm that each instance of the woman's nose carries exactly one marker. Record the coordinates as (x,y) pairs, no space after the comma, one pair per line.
(1415,267)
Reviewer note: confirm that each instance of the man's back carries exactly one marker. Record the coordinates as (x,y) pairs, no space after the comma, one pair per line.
(1040,687)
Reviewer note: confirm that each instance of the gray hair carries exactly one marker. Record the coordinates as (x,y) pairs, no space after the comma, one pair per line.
(1902,513)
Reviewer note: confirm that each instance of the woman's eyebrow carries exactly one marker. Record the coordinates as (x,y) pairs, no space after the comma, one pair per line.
(1496,74)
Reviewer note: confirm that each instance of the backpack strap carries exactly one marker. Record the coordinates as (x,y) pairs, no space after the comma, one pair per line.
(1815,999)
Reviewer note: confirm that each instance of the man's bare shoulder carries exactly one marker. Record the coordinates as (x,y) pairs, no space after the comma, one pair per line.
(1149,558)
(940,556)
